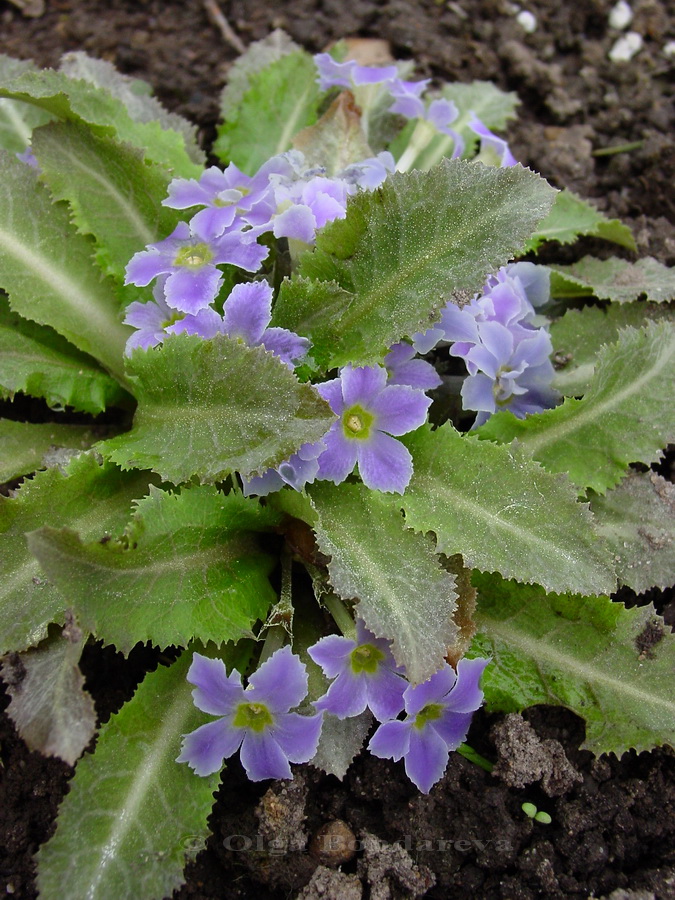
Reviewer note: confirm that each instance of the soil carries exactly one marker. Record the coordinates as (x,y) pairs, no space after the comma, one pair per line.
(613,821)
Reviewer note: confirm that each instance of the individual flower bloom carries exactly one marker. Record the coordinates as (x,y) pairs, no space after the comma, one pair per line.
(403,369)
(189,258)
(438,716)
(369,173)
(407,97)
(507,373)
(246,315)
(151,319)
(297,471)
(370,411)
(494,151)
(365,673)
(305,206)
(534,280)
(255,719)
(206,323)
(350,74)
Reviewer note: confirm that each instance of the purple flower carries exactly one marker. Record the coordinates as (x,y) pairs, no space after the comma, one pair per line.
(403,369)
(369,173)
(297,471)
(189,258)
(151,319)
(27,156)
(246,315)
(365,674)
(305,205)
(438,718)
(350,74)
(256,719)
(534,281)
(494,150)
(370,411)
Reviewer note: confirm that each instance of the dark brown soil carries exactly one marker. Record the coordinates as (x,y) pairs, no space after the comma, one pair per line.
(613,825)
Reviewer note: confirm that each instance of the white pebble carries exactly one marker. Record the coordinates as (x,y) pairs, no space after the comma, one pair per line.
(669,49)
(527,21)
(620,16)
(626,47)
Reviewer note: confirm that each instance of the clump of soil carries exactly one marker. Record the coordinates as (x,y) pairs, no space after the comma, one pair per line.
(613,821)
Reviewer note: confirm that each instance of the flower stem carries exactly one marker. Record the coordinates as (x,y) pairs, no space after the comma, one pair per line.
(338,611)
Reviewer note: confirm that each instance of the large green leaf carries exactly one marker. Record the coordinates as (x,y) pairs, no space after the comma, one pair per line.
(208,408)
(50,708)
(188,566)
(403,251)
(579,335)
(627,415)
(503,513)
(280,100)
(258,55)
(614,279)
(114,195)
(135,94)
(404,593)
(92,499)
(571,216)
(48,272)
(36,360)
(23,445)
(75,99)
(611,665)
(17,119)
(133,817)
(637,519)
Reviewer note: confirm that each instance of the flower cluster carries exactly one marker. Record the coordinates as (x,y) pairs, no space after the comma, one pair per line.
(282,198)
(364,674)
(507,356)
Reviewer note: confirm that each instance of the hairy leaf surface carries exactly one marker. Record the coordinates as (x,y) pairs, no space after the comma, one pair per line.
(208,408)
(614,279)
(24,445)
(404,593)
(403,251)
(571,216)
(611,665)
(503,513)
(133,817)
(188,566)
(626,416)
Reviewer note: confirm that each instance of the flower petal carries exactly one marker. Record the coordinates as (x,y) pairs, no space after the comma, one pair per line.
(384,463)
(190,290)
(433,690)
(384,691)
(331,653)
(262,757)
(285,344)
(400,409)
(339,458)
(426,759)
(466,695)
(331,391)
(452,727)
(361,384)
(391,740)
(346,697)
(280,683)
(298,736)
(146,265)
(216,692)
(248,310)
(205,748)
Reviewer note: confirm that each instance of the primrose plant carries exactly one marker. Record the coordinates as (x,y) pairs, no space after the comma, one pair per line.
(341,451)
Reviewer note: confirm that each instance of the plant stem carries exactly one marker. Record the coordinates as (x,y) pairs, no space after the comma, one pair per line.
(469,753)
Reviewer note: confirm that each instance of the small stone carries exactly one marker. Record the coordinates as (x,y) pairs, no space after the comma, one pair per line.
(620,16)
(669,49)
(527,21)
(626,47)
(333,844)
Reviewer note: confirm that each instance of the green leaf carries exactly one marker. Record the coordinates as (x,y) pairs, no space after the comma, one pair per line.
(627,415)
(404,593)
(90,498)
(198,416)
(503,513)
(637,519)
(337,139)
(257,57)
(133,816)
(36,360)
(113,194)
(135,94)
(17,120)
(47,269)
(187,567)
(23,445)
(614,279)
(83,101)
(281,99)
(571,216)
(588,654)
(401,253)
(578,337)
(50,708)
